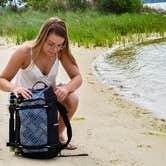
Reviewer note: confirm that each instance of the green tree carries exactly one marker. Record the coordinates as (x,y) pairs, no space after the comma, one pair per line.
(120,6)
(13,4)
(77,4)
(3,2)
(57,4)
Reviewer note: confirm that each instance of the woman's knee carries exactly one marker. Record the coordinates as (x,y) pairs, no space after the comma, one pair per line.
(72,101)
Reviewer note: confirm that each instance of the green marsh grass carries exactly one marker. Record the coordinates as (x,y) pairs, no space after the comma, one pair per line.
(90,28)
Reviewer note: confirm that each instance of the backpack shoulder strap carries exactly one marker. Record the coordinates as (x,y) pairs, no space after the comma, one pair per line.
(63,112)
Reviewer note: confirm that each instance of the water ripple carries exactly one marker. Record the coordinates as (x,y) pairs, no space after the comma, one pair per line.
(141,76)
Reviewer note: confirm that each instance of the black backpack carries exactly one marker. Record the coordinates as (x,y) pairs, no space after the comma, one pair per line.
(33,124)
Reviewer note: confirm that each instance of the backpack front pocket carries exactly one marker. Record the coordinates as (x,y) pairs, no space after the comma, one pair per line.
(33,126)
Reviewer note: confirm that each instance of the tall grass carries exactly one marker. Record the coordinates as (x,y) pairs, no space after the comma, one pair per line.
(88,28)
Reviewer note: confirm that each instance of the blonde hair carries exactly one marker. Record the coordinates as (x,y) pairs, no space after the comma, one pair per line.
(58,27)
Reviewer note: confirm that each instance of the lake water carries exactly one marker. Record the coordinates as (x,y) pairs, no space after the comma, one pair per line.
(153,1)
(141,77)
(158,5)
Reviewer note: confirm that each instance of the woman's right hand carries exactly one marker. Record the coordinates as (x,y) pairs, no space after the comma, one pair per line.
(23,91)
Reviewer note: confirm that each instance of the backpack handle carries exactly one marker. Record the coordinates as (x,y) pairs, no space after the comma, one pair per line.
(39,82)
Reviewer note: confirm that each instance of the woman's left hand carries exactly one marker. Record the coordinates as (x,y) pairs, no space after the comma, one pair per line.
(61,92)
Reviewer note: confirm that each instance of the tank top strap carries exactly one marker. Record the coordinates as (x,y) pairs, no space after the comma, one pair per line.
(31,54)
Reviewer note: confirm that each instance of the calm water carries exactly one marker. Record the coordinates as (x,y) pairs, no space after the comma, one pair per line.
(153,1)
(140,77)
(158,5)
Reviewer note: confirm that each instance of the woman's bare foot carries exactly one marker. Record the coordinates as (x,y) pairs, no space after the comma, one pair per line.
(70,146)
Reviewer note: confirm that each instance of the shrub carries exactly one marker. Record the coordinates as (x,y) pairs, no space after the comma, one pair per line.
(120,6)
(3,3)
(46,5)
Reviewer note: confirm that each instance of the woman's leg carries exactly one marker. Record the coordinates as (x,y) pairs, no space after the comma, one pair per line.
(71,103)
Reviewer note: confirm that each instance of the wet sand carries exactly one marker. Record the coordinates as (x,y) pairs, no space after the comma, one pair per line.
(111,129)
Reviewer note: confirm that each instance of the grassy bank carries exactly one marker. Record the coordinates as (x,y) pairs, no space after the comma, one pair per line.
(89,28)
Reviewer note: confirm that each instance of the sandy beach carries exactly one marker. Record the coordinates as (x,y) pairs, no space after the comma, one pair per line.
(111,129)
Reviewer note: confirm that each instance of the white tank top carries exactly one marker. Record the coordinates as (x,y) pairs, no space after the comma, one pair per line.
(30,75)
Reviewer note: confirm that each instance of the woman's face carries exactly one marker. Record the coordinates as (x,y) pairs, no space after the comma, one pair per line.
(53,44)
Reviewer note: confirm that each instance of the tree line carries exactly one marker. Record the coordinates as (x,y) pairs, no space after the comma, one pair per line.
(113,6)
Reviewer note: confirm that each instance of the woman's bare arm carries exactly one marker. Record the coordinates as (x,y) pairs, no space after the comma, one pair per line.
(73,72)
(18,60)
(75,76)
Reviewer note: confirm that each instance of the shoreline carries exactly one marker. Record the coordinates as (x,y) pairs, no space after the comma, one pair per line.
(111,129)
(99,61)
